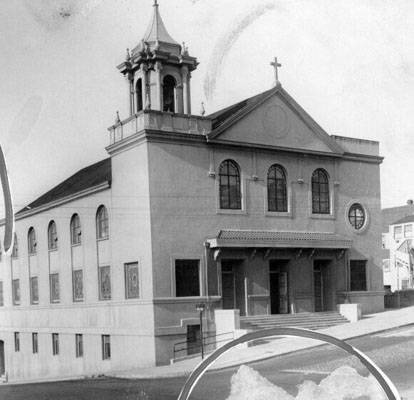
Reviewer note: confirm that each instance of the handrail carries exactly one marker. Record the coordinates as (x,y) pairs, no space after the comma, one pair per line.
(197,344)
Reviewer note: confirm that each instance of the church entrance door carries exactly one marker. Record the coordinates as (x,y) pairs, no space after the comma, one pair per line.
(278,287)
(2,363)
(232,285)
(320,284)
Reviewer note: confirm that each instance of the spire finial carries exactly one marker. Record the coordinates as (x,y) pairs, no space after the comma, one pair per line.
(202,109)
(275,64)
(117,119)
(155,3)
(128,55)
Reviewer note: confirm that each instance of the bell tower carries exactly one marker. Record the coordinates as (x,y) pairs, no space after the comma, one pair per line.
(159,70)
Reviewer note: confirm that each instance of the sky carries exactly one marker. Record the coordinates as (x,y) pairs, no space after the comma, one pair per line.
(348,63)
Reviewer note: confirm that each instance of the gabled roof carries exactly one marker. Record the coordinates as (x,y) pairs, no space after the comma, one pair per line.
(84,179)
(156,31)
(405,220)
(223,119)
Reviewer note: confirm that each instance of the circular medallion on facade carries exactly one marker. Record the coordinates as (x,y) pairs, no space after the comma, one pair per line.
(357,216)
(276,121)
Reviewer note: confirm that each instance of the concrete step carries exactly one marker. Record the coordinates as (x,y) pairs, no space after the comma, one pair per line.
(301,320)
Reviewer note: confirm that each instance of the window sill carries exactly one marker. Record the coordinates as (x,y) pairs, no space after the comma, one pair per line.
(322,216)
(53,250)
(76,244)
(278,214)
(231,211)
(102,239)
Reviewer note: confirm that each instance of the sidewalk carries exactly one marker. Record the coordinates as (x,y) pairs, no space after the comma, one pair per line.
(370,324)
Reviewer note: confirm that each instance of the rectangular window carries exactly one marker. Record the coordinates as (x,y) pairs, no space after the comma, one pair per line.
(398,232)
(35,345)
(54,288)
(187,278)
(131,281)
(78,285)
(104,283)
(358,275)
(79,345)
(34,290)
(1,294)
(408,230)
(55,344)
(106,347)
(16,341)
(16,291)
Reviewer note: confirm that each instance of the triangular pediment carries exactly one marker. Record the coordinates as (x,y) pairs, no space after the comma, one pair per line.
(275,120)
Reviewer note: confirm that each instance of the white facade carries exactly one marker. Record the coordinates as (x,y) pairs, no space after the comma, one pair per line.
(399,240)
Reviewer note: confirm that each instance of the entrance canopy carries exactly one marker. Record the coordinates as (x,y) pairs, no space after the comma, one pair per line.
(277,239)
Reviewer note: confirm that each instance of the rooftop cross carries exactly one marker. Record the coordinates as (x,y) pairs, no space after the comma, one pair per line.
(276,65)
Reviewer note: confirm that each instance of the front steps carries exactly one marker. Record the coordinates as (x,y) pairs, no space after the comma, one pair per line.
(306,320)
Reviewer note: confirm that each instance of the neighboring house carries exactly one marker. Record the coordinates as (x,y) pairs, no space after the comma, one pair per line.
(398,267)
(254,207)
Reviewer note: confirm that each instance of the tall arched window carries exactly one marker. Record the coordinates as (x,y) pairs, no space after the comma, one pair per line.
(320,192)
(102,225)
(168,93)
(31,241)
(276,189)
(230,194)
(15,251)
(75,230)
(138,91)
(52,236)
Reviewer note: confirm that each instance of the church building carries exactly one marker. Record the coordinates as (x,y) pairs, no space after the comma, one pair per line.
(254,207)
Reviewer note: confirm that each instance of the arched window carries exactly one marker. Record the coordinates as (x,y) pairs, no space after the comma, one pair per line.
(102,225)
(230,194)
(168,93)
(15,251)
(52,236)
(276,189)
(138,91)
(75,230)
(320,192)
(31,241)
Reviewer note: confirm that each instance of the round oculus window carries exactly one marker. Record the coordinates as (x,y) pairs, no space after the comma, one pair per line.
(356,216)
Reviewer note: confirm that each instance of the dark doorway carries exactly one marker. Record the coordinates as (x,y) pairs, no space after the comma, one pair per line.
(228,284)
(139,94)
(193,339)
(321,285)
(2,363)
(169,93)
(278,287)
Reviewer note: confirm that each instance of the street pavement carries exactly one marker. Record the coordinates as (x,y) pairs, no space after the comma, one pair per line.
(392,350)
(287,360)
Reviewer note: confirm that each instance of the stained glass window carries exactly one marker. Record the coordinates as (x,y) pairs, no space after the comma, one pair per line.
(35,343)
(230,194)
(54,288)
(34,290)
(16,291)
(106,347)
(102,226)
(320,192)
(276,189)
(78,285)
(55,344)
(79,345)
(52,236)
(31,239)
(75,230)
(356,216)
(131,281)
(105,283)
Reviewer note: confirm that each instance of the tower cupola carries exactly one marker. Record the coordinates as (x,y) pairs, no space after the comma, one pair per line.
(159,70)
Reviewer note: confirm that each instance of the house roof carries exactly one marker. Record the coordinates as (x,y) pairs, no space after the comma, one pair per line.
(253,238)
(404,220)
(84,179)
(220,117)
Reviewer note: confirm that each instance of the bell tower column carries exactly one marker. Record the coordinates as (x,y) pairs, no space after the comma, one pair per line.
(185,74)
(157,100)
(144,69)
